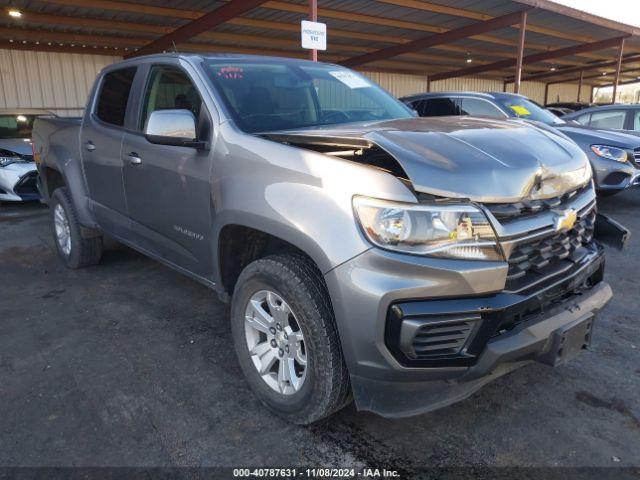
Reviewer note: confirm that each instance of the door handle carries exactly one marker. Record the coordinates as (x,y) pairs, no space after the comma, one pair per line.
(90,146)
(134,159)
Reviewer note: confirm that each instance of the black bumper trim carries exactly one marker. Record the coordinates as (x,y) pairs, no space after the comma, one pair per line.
(500,313)
(527,342)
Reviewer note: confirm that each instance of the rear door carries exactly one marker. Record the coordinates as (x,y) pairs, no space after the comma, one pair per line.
(168,189)
(101,143)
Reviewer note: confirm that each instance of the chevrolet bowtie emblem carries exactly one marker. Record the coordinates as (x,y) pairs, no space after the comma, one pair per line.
(565,220)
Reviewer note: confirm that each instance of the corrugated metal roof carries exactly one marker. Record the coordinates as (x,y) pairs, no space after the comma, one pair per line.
(355,27)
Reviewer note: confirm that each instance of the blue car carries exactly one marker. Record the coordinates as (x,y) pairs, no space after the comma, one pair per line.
(614,155)
(624,118)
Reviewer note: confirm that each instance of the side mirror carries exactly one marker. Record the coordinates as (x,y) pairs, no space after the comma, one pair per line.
(173,127)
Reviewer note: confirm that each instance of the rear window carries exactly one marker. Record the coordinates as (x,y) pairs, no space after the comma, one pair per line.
(437,107)
(114,94)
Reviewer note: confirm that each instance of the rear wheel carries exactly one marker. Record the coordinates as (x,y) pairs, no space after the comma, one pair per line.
(286,340)
(75,250)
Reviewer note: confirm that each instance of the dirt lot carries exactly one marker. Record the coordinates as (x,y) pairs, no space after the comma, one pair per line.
(131,364)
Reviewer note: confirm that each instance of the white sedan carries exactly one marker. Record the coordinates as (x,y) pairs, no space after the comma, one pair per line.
(18,174)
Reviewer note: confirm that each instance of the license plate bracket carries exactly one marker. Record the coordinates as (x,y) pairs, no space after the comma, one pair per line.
(568,341)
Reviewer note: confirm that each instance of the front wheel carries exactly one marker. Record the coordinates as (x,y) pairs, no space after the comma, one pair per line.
(75,250)
(286,339)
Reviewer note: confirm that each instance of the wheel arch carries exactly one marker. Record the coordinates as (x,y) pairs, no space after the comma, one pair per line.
(241,242)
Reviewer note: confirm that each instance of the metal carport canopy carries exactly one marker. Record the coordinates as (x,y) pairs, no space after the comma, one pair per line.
(532,39)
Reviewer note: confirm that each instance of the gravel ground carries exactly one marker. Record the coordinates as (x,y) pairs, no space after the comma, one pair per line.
(131,364)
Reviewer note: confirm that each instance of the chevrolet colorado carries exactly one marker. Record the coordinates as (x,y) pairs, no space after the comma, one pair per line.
(367,254)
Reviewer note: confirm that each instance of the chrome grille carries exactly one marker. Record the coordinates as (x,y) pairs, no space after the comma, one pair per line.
(515,211)
(531,261)
(636,156)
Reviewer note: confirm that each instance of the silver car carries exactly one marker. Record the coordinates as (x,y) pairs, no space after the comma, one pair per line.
(18,173)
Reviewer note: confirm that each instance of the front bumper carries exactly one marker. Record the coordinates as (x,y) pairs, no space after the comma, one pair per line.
(612,175)
(533,340)
(514,329)
(18,182)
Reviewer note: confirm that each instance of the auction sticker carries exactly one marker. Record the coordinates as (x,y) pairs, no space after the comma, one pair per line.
(350,79)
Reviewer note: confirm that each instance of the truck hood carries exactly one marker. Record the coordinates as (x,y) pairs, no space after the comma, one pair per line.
(21,146)
(600,136)
(484,160)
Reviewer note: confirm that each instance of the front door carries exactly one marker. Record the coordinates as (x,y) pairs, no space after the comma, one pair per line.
(101,143)
(168,188)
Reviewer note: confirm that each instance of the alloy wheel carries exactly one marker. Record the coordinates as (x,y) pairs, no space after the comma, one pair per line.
(63,231)
(275,342)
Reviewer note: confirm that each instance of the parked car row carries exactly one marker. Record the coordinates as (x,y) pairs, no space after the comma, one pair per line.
(368,254)
(614,155)
(569,107)
(559,111)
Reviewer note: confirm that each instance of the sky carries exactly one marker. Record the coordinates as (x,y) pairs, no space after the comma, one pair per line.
(625,11)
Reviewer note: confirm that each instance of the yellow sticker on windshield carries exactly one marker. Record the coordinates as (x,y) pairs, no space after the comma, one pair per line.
(520,110)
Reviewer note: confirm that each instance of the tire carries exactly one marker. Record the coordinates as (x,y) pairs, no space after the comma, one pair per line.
(81,251)
(297,282)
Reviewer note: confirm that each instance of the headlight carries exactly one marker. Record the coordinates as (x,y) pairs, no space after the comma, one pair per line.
(4,161)
(610,153)
(450,231)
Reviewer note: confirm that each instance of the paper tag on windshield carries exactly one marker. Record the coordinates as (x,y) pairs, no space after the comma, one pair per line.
(350,79)
(520,110)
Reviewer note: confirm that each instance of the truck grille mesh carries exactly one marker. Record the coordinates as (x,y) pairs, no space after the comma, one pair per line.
(541,258)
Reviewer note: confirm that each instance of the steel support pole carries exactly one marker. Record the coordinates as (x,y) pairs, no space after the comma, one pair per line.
(523,31)
(618,65)
(580,85)
(313,17)
(546,93)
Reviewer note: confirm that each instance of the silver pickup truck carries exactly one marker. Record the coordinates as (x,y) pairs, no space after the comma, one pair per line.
(367,254)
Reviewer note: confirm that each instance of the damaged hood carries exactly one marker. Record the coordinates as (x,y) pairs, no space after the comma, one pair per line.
(480,159)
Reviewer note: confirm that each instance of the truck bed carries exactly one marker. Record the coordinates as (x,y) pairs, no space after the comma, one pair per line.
(51,134)
(56,142)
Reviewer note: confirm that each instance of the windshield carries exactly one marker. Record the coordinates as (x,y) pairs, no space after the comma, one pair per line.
(16,126)
(524,108)
(267,96)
